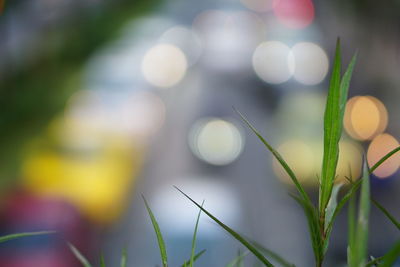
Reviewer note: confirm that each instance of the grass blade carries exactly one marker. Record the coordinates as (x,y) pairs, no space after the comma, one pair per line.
(351,249)
(359,231)
(79,256)
(194,237)
(21,235)
(186,263)
(332,133)
(238,237)
(124,258)
(332,204)
(273,255)
(161,243)
(383,159)
(102,261)
(390,258)
(238,261)
(278,157)
(387,213)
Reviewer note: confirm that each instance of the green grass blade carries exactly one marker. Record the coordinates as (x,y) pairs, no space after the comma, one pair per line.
(383,159)
(79,256)
(351,249)
(21,235)
(387,213)
(390,258)
(194,237)
(332,133)
(238,237)
(238,261)
(161,243)
(361,232)
(278,157)
(314,228)
(124,258)
(198,255)
(374,262)
(273,255)
(102,261)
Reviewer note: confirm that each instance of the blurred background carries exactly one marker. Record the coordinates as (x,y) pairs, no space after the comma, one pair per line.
(102,101)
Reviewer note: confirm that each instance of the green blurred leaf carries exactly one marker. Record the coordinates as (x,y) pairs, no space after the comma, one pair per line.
(390,258)
(21,235)
(332,204)
(186,263)
(102,261)
(238,260)
(194,237)
(238,237)
(161,243)
(276,154)
(79,256)
(124,258)
(358,238)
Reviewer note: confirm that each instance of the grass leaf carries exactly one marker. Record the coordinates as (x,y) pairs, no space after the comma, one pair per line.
(278,157)
(21,235)
(390,258)
(238,237)
(161,243)
(332,204)
(102,261)
(383,159)
(79,256)
(194,237)
(359,230)
(332,133)
(238,261)
(124,258)
(186,263)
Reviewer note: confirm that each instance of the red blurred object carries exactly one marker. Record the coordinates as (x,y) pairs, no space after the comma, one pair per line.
(295,14)
(23,212)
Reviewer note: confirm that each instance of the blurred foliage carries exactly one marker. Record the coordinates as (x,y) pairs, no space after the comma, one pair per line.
(32,94)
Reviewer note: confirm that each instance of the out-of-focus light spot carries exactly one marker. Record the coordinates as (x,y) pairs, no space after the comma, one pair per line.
(216,141)
(258,5)
(300,157)
(349,163)
(270,62)
(229,38)
(164,65)
(295,14)
(365,117)
(379,147)
(309,63)
(186,39)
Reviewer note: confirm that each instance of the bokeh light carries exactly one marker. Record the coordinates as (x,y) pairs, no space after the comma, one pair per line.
(309,63)
(365,117)
(300,157)
(294,14)
(186,39)
(229,38)
(270,62)
(258,5)
(216,141)
(164,65)
(378,148)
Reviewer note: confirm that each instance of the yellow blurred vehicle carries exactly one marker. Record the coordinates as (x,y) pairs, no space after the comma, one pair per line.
(93,170)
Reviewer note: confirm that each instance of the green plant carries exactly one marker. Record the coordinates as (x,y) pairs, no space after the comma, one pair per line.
(321,217)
